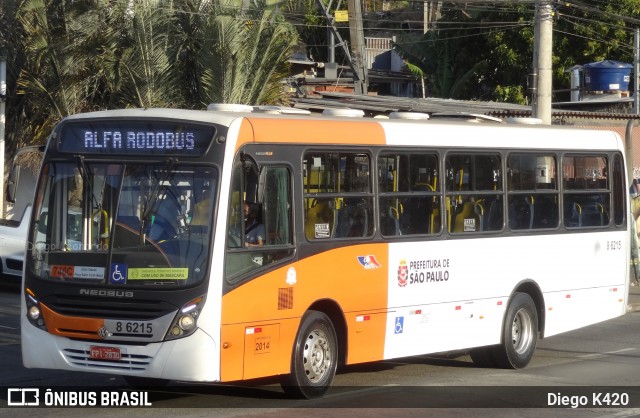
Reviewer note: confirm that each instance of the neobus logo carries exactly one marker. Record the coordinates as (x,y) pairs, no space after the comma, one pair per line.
(106,293)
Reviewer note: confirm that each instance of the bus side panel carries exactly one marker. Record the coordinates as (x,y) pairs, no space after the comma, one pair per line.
(260,326)
(451,295)
(444,295)
(593,268)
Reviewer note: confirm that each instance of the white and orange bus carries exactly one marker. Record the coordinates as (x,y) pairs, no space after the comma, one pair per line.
(381,238)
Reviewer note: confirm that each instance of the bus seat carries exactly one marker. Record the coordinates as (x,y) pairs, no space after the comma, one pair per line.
(575,218)
(601,212)
(546,215)
(390,220)
(394,215)
(494,218)
(489,213)
(478,208)
(434,218)
(594,214)
(530,201)
(467,212)
(320,213)
(519,212)
(352,221)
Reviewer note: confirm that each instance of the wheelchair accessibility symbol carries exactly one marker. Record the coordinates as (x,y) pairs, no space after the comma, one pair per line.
(118,274)
(399,324)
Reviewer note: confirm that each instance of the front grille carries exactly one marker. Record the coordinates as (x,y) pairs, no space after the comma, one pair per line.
(104,307)
(130,362)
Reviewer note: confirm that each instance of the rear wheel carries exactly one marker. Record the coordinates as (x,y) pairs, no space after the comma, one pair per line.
(314,358)
(519,334)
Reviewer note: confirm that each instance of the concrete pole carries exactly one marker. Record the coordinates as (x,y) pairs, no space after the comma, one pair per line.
(628,143)
(3,95)
(356,31)
(636,71)
(331,56)
(426,18)
(543,64)
(331,40)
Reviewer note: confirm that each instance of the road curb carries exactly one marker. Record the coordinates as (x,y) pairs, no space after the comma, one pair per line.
(633,307)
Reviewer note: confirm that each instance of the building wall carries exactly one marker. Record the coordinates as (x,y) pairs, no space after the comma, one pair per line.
(620,128)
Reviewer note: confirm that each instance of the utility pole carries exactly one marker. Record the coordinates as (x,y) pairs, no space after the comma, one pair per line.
(636,71)
(3,96)
(542,54)
(355,63)
(426,16)
(628,143)
(356,31)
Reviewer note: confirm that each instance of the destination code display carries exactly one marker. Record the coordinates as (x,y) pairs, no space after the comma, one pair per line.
(140,138)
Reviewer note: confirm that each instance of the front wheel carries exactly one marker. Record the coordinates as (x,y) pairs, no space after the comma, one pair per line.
(314,358)
(519,334)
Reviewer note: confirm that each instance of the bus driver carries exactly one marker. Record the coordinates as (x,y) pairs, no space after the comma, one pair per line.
(254,230)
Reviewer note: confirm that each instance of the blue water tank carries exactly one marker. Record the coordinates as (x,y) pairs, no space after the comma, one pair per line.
(607,75)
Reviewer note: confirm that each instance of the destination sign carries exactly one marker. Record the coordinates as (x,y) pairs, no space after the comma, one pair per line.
(135,137)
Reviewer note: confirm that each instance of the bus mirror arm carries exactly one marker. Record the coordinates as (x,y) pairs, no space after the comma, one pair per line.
(248,163)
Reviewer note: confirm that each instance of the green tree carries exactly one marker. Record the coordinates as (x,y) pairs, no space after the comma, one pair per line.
(246,56)
(83,55)
(464,58)
(488,51)
(11,35)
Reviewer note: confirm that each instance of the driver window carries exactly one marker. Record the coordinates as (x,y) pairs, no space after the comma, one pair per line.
(259,226)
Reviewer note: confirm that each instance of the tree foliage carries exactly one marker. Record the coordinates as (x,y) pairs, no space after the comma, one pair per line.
(486,53)
(81,55)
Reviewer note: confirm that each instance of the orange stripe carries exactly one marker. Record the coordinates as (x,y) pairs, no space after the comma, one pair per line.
(345,132)
(71,326)
(336,276)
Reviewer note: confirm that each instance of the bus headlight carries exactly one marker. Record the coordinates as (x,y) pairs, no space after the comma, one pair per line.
(34,315)
(185,322)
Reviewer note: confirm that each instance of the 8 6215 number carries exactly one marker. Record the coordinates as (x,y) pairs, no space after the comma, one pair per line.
(131,327)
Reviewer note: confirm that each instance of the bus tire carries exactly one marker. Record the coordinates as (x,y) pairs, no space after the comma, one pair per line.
(314,358)
(519,334)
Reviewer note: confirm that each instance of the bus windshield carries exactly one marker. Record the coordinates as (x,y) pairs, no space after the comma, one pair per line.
(123,224)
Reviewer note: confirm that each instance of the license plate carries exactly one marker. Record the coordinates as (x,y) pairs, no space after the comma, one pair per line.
(104,353)
(130,328)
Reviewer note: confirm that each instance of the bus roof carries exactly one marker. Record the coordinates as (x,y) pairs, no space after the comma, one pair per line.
(319,129)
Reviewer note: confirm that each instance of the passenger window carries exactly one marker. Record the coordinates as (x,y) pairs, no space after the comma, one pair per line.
(473,199)
(338,198)
(410,197)
(532,186)
(587,195)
